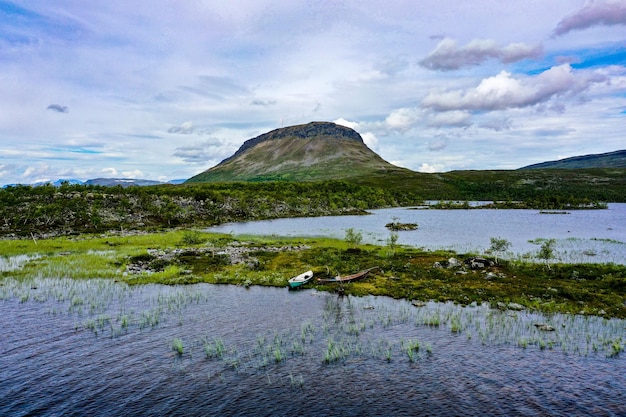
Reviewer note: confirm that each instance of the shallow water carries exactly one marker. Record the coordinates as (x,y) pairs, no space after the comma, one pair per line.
(582,235)
(101,348)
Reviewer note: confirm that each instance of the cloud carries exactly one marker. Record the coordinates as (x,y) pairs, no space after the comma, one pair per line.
(58,108)
(438,145)
(6,170)
(369,138)
(347,123)
(594,13)
(137,174)
(263,103)
(448,56)
(185,128)
(110,172)
(498,125)
(430,168)
(204,152)
(403,119)
(454,118)
(503,91)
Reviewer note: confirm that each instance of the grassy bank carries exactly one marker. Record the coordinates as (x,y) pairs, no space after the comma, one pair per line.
(185,256)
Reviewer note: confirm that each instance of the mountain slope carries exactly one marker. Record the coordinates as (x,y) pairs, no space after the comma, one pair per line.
(313,151)
(615,159)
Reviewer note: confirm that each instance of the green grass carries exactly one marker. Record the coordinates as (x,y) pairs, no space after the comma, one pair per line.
(177,346)
(407,273)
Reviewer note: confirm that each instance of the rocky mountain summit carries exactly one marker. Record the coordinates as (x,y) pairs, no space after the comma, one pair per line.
(313,151)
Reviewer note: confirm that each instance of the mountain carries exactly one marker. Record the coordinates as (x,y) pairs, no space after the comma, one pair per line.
(313,151)
(615,159)
(106,182)
(124,182)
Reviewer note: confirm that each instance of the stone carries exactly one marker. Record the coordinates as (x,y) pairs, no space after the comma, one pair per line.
(453,263)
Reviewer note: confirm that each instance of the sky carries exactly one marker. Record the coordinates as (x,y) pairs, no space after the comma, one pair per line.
(164,90)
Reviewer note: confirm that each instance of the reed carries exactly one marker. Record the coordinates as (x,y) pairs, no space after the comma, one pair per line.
(215,349)
(296,382)
(177,346)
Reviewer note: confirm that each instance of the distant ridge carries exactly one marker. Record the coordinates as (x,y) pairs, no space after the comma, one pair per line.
(312,151)
(124,182)
(616,159)
(107,182)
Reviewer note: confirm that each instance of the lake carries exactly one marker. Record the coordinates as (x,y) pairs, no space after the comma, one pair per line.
(97,347)
(595,236)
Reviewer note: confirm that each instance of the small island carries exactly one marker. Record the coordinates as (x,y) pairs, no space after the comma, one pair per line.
(397,226)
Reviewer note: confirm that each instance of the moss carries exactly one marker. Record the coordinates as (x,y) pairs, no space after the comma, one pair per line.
(408,273)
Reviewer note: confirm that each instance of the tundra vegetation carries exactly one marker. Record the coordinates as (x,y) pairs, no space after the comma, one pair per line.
(144,235)
(192,256)
(72,209)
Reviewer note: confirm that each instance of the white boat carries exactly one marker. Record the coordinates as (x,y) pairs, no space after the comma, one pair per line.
(301,279)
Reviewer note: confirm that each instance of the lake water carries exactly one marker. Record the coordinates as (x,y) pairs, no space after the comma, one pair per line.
(581,235)
(96,347)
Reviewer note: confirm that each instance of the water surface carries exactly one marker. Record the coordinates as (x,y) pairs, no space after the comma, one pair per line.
(97,347)
(582,235)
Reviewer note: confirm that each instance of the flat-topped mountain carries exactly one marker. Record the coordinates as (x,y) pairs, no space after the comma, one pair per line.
(313,151)
(615,159)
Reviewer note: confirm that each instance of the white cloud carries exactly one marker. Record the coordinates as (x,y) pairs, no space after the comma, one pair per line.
(137,174)
(456,118)
(370,140)
(438,145)
(208,151)
(186,128)
(448,56)
(504,91)
(403,119)
(347,123)
(430,168)
(109,172)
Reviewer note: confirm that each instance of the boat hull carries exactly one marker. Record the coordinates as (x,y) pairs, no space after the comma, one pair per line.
(300,280)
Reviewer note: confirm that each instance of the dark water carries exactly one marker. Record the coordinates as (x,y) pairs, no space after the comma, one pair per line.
(99,348)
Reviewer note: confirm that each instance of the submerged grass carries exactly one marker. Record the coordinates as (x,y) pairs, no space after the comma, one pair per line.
(184,257)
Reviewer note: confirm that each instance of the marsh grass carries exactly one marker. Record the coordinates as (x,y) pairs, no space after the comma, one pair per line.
(178,346)
(342,332)
(595,289)
(215,349)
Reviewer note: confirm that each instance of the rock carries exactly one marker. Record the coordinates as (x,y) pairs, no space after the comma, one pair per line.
(491,275)
(515,306)
(544,327)
(453,263)
(418,303)
(478,263)
(437,265)
(460,272)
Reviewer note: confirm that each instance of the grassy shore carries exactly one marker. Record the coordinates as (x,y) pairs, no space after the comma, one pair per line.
(187,256)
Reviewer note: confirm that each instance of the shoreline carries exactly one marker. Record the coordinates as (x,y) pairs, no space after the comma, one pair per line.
(189,256)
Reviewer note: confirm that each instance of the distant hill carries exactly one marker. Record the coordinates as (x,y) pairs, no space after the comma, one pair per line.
(124,182)
(313,151)
(615,159)
(107,182)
